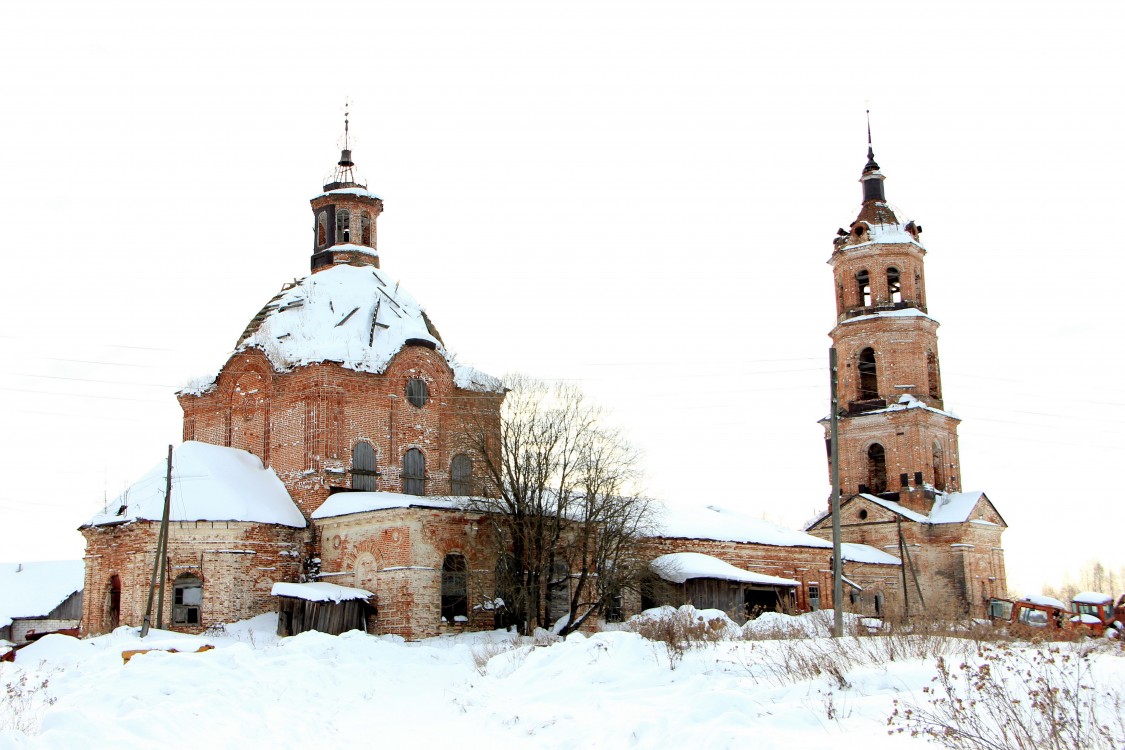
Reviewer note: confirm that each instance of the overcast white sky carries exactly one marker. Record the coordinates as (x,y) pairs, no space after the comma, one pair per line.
(639,196)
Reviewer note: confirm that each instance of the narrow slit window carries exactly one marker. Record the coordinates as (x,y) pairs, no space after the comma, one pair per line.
(868,375)
(876,469)
(365,228)
(321,229)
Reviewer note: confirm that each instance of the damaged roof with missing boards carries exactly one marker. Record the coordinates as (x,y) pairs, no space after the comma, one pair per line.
(351,315)
(209,483)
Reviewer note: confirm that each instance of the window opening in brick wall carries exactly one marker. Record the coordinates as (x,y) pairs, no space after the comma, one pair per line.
(876,469)
(558,591)
(868,375)
(187,598)
(112,615)
(343,225)
(365,228)
(414,473)
(894,285)
(454,589)
(321,229)
(932,375)
(461,475)
(814,597)
(939,466)
(863,288)
(509,609)
(417,392)
(363,467)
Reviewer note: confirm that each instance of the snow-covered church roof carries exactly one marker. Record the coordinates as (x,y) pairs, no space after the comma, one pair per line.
(679,567)
(209,483)
(721,524)
(948,507)
(353,315)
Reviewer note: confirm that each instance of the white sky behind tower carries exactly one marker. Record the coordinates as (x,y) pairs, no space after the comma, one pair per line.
(637,196)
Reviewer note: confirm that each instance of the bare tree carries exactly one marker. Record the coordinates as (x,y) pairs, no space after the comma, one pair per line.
(562,504)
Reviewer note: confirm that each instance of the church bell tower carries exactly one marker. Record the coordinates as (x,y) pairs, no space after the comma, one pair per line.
(896,440)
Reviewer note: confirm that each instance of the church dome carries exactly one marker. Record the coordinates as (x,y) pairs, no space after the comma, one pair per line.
(351,315)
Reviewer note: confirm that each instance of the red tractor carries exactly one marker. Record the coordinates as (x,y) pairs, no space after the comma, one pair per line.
(1095,611)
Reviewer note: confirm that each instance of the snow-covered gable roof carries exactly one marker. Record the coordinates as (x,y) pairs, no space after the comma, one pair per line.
(352,315)
(949,507)
(679,567)
(319,591)
(347,503)
(209,483)
(34,589)
(720,524)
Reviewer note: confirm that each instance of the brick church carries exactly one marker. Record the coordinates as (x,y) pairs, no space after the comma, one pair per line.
(334,445)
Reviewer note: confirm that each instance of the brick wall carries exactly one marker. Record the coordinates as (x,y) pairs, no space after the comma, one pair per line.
(238,563)
(305,423)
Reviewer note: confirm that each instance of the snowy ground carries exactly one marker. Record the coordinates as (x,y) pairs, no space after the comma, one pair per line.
(609,690)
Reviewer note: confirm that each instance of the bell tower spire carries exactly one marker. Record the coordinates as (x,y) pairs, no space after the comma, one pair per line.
(872,179)
(345,214)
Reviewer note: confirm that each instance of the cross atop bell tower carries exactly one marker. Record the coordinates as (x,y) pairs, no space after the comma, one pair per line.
(896,439)
(345,215)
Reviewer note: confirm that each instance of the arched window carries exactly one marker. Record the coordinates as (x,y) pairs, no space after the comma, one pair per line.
(876,469)
(932,375)
(343,225)
(863,288)
(187,598)
(461,475)
(414,473)
(894,285)
(454,589)
(507,603)
(868,375)
(939,466)
(363,467)
(321,229)
(365,228)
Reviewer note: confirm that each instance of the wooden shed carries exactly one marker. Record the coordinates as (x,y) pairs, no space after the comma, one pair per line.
(707,582)
(324,607)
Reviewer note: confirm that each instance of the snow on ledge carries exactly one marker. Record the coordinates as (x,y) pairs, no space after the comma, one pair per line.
(319,592)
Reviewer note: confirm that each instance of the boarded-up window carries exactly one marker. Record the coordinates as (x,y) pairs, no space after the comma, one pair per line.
(876,469)
(187,599)
(868,375)
(461,475)
(414,472)
(363,467)
(558,591)
(455,589)
(416,392)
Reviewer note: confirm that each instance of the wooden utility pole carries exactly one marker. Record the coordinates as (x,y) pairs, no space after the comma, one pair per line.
(837,557)
(161,553)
